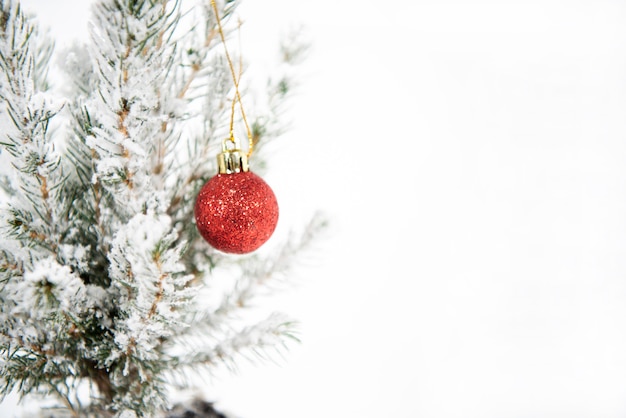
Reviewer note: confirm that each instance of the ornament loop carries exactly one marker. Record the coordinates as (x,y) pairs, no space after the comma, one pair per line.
(232,160)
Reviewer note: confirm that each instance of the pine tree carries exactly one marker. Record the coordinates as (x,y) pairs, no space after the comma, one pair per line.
(100,263)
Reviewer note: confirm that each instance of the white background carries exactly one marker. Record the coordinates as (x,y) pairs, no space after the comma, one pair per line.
(470,156)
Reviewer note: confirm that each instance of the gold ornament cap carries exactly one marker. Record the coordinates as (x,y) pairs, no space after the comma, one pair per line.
(232,160)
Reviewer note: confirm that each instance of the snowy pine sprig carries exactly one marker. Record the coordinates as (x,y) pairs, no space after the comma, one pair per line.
(100,266)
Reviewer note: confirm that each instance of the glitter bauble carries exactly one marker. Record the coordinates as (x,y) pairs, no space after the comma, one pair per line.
(237,212)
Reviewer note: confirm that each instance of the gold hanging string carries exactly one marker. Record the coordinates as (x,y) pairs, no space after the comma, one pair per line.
(235,101)
(237,98)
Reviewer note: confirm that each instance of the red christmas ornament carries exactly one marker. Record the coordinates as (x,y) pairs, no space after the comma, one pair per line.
(236,211)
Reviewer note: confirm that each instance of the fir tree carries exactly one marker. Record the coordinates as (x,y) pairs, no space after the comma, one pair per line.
(100,262)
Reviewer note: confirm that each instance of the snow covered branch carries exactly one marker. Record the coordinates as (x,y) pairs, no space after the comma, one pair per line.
(100,263)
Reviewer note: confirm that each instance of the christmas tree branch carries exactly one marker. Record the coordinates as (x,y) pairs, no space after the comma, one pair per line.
(257,274)
(269,123)
(214,325)
(204,73)
(262,340)
(23,59)
(132,61)
(199,54)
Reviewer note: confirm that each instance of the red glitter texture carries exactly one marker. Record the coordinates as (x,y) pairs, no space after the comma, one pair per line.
(236,213)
